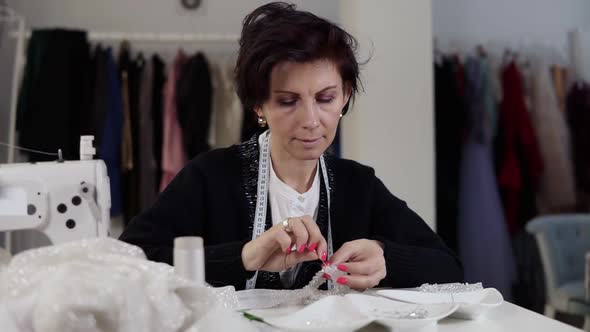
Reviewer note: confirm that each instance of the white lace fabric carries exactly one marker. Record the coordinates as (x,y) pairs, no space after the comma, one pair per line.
(107,285)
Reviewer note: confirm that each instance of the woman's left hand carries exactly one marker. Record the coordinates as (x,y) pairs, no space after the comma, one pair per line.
(363,260)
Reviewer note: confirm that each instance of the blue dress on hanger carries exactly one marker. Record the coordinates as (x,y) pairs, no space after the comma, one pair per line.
(110,149)
(484,242)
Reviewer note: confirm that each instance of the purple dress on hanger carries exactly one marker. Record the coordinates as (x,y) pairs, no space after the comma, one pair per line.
(484,244)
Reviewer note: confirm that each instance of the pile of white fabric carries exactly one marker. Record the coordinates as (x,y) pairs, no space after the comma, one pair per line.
(107,285)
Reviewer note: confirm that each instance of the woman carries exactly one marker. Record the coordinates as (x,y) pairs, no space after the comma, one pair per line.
(273,209)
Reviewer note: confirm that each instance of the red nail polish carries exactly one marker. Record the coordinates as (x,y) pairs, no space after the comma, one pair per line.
(288,251)
(302,248)
(313,246)
(342,280)
(324,257)
(341,267)
(326,276)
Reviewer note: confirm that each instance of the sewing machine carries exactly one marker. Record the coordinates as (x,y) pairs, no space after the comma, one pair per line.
(65,200)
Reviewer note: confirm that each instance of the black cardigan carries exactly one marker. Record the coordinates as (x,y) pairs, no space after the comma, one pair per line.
(214,196)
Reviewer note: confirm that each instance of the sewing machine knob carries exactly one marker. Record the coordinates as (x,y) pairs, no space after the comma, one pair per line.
(70,224)
(62,208)
(76,200)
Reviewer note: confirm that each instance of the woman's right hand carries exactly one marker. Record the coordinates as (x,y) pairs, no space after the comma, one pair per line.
(271,251)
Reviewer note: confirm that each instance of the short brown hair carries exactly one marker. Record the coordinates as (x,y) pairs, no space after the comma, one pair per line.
(278,32)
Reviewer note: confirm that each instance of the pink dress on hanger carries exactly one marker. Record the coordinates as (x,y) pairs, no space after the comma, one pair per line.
(173,154)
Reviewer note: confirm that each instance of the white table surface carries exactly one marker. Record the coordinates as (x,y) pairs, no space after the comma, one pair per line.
(505,318)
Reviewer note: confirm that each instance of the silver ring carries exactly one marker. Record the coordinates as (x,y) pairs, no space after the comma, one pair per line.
(286,225)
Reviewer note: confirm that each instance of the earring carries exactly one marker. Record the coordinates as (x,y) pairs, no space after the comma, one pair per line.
(341,115)
(261,121)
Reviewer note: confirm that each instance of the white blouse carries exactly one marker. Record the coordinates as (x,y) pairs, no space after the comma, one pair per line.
(286,202)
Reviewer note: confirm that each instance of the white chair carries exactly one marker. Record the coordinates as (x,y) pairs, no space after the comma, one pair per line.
(563,242)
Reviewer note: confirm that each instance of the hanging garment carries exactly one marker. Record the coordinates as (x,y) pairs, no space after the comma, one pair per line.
(137,66)
(449,121)
(489,101)
(193,104)
(227,108)
(110,148)
(126,143)
(559,78)
(55,93)
(147,163)
(556,191)
(578,115)
(159,79)
(518,157)
(484,244)
(131,71)
(132,206)
(100,96)
(173,153)
(526,77)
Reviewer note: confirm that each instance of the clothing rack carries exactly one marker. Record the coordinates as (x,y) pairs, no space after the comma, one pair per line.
(156,37)
(573,54)
(22,35)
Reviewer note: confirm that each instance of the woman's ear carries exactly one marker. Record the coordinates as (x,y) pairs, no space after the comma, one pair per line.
(258,111)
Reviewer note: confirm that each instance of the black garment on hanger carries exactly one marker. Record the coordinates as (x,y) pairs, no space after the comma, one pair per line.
(100,96)
(578,116)
(159,79)
(449,127)
(193,103)
(133,69)
(54,96)
(135,78)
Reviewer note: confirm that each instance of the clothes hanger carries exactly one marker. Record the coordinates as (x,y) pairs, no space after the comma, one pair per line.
(481,51)
(140,59)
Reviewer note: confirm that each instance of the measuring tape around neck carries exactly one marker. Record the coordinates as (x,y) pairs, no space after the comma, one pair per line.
(262,199)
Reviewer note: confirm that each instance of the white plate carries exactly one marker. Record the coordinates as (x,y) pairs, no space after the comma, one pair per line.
(332,313)
(381,310)
(351,312)
(471,304)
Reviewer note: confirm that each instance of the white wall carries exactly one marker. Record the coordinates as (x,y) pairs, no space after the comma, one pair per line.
(214,16)
(391,124)
(508,22)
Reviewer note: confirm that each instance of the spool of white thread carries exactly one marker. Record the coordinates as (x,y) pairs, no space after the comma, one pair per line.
(189,258)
